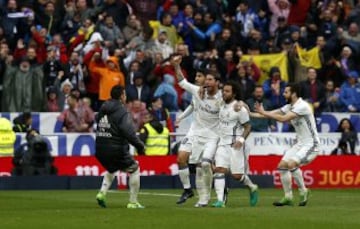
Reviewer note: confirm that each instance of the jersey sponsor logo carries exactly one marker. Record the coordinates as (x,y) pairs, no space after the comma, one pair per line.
(207,108)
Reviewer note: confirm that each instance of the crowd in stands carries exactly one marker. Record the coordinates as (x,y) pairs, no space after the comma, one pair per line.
(65,55)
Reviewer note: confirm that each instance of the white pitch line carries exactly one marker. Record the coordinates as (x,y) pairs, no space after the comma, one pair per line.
(147,193)
(230,196)
(177,195)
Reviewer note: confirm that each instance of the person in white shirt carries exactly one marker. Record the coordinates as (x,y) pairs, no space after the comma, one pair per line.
(188,151)
(301,116)
(232,153)
(205,124)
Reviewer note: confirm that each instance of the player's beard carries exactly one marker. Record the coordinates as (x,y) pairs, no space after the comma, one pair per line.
(228,100)
(288,100)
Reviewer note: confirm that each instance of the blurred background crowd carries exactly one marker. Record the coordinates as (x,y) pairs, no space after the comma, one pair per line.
(65,55)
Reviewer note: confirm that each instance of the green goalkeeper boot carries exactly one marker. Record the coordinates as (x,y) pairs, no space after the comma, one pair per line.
(134,205)
(254,195)
(101,199)
(284,202)
(218,204)
(304,197)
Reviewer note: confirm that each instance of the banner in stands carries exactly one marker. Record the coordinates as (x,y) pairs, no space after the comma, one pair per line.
(47,123)
(323,172)
(266,61)
(260,143)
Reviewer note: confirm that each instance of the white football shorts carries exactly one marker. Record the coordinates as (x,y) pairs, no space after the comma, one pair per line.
(301,153)
(198,147)
(237,160)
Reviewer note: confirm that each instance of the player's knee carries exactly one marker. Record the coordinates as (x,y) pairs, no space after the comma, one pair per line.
(238,177)
(282,165)
(220,170)
(182,158)
(292,165)
(205,165)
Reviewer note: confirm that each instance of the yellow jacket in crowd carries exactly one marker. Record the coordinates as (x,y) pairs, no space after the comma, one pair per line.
(7,138)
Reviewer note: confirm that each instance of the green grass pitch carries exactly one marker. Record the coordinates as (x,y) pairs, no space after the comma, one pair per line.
(326,209)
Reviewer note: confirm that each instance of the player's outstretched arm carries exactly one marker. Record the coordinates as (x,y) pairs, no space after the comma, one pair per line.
(274,114)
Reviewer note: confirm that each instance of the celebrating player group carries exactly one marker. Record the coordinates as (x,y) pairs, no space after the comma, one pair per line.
(216,142)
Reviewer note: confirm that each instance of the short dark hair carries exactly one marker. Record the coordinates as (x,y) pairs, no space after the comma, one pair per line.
(26,115)
(295,88)
(245,2)
(201,70)
(215,74)
(155,98)
(235,88)
(117,91)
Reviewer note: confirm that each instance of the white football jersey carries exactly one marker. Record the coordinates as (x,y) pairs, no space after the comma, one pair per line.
(304,124)
(206,111)
(231,122)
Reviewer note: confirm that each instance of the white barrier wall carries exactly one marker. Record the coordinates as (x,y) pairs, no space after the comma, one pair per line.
(259,143)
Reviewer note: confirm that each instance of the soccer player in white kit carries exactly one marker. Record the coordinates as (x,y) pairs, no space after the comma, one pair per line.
(206,123)
(301,116)
(190,150)
(232,153)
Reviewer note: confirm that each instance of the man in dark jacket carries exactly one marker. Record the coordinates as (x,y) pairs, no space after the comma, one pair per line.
(138,90)
(260,124)
(115,131)
(313,91)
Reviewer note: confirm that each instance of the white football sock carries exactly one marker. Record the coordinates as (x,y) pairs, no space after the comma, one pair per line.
(247,182)
(184,175)
(219,185)
(299,179)
(207,179)
(107,181)
(134,185)
(199,182)
(285,177)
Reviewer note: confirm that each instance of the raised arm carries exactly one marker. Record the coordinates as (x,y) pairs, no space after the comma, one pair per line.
(176,61)
(183,83)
